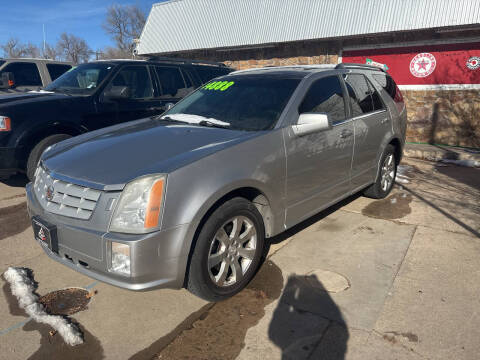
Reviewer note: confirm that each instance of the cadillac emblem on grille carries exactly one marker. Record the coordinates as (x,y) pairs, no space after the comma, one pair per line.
(49,193)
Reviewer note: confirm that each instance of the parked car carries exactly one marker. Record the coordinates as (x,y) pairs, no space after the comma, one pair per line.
(188,198)
(22,75)
(90,97)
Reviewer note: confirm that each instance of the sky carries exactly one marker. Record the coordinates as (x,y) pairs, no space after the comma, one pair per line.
(24,19)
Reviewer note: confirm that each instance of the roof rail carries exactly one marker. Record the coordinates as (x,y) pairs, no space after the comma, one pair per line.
(185,61)
(358,66)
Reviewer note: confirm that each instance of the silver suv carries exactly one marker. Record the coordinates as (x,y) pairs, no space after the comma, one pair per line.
(189,198)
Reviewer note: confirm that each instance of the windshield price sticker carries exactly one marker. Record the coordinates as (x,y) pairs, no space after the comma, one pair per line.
(219,85)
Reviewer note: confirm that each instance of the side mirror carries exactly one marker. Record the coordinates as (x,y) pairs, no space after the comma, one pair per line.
(117,93)
(311,122)
(7,80)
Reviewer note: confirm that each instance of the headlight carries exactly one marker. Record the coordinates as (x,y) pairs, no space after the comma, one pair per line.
(120,260)
(5,123)
(138,210)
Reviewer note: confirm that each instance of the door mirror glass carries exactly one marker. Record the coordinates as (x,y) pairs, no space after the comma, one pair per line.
(117,93)
(311,122)
(7,80)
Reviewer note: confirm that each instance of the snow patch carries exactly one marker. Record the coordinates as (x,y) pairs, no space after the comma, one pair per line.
(23,288)
(393,200)
(466,162)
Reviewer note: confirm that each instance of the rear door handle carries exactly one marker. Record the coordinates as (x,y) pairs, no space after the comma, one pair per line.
(383,121)
(346,133)
(157,108)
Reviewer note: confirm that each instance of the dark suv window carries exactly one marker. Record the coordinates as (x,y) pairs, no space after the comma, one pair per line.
(55,70)
(137,79)
(172,82)
(25,74)
(2,62)
(325,96)
(207,73)
(363,97)
(389,85)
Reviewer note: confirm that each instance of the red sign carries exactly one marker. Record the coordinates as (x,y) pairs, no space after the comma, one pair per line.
(425,65)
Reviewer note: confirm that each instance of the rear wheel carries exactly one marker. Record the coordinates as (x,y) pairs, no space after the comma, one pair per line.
(386,175)
(228,251)
(37,151)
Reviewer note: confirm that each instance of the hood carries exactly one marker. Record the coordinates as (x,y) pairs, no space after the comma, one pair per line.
(110,158)
(23,98)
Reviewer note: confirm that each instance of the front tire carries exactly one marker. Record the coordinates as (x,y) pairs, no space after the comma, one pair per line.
(228,251)
(386,175)
(34,156)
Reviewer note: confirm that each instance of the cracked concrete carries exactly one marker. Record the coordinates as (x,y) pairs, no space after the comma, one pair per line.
(413,287)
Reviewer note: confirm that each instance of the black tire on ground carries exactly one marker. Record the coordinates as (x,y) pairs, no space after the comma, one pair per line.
(375,191)
(38,149)
(199,280)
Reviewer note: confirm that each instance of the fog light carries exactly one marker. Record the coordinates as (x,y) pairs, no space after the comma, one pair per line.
(120,258)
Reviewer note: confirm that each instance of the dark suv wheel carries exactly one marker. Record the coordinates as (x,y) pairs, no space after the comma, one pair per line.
(228,251)
(37,151)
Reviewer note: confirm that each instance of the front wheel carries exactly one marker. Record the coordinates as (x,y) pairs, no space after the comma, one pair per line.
(34,156)
(386,175)
(228,251)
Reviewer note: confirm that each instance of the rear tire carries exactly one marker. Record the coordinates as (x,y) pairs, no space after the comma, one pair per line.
(228,251)
(37,151)
(385,176)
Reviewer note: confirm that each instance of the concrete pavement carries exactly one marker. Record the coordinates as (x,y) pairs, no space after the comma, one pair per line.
(402,274)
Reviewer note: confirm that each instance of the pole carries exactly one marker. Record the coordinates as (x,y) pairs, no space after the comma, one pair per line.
(44,42)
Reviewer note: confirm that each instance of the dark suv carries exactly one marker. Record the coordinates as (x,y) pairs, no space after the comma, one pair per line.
(89,97)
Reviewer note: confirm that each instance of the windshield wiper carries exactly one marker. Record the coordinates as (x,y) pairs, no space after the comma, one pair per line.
(169,119)
(213,124)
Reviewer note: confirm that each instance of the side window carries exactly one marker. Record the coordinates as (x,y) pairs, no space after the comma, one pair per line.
(325,96)
(207,73)
(360,94)
(55,70)
(389,85)
(376,99)
(137,79)
(187,78)
(172,83)
(26,74)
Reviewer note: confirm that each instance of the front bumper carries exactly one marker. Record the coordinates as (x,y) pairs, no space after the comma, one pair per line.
(158,260)
(8,161)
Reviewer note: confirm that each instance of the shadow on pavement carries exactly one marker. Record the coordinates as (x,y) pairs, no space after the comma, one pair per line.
(302,334)
(18,180)
(465,175)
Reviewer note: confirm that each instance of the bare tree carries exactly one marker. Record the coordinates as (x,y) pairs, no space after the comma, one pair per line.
(13,48)
(30,50)
(73,48)
(50,52)
(124,23)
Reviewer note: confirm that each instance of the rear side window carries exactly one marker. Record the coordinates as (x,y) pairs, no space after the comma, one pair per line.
(389,85)
(25,74)
(172,82)
(207,73)
(137,79)
(325,96)
(363,96)
(55,70)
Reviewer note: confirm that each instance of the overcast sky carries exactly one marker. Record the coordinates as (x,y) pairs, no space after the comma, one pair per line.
(23,19)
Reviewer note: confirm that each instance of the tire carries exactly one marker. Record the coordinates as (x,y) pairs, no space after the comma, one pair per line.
(388,163)
(217,259)
(38,149)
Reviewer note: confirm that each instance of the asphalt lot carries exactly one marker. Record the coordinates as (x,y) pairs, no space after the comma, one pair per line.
(400,274)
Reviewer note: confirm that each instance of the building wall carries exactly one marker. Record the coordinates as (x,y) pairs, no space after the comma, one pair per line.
(441,117)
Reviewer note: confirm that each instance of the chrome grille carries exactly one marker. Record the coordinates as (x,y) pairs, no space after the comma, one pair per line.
(63,198)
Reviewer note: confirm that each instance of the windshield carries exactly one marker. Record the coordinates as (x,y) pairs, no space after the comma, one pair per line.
(238,102)
(81,80)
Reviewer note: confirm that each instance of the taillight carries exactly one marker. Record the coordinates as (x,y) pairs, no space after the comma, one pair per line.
(5,123)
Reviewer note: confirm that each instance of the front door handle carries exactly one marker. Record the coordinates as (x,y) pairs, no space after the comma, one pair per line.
(383,121)
(346,133)
(157,108)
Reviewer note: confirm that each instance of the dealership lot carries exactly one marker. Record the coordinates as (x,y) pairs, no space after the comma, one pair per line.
(401,274)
